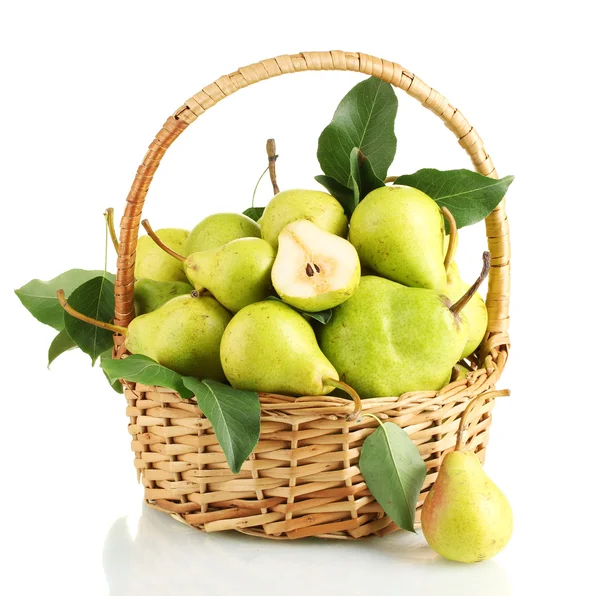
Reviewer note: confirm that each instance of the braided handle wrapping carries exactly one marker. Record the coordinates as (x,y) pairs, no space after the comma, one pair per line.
(390,72)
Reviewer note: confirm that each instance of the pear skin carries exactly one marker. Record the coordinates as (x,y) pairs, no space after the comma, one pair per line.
(217,230)
(269,347)
(152,262)
(388,339)
(398,232)
(184,334)
(290,205)
(150,295)
(465,516)
(237,274)
(475,311)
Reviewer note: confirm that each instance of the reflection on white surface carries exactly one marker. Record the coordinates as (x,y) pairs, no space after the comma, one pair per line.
(166,557)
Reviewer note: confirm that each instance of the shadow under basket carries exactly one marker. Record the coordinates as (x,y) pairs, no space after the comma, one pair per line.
(303,479)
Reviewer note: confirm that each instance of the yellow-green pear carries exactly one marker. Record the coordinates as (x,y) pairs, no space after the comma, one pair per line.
(314,270)
(290,205)
(184,335)
(398,232)
(237,274)
(218,229)
(271,348)
(150,295)
(465,516)
(153,263)
(388,339)
(475,311)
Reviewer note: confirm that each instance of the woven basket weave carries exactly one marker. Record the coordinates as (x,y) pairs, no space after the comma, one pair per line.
(302,478)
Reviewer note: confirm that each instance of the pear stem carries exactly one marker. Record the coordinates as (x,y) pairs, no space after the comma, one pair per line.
(391,179)
(74,313)
(109,215)
(462,302)
(452,238)
(461,441)
(271,152)
(351,392)
(160,243)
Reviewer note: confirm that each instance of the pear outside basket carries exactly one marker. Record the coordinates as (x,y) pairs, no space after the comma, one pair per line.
(302,478)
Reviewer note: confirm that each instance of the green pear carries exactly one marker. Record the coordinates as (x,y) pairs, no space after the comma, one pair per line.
(314,270)
(269,347)
(237,274)
(388,339)
(465,516)
(460,372)
(184,335)
(290,205)
(216,230)
(152,263)
(398,232)
(150,295)
(475,311)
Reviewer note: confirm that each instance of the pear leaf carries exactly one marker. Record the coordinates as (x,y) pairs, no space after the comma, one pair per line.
(234,415)
(96,299)
(394,472)
(468,195)
(141,369)
(254,213)
(60,344)
(364,179)
(323,316)
(116,384)
(363,119)
(343,194)
(39,297)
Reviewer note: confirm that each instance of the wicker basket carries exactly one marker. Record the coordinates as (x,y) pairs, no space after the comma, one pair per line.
(302,479)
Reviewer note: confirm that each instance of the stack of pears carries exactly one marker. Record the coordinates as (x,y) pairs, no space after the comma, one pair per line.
(234,300)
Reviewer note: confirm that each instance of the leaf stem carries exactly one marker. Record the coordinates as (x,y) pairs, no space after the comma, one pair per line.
(461,441)
(74,313)
(452,238)
(351,392)
(461,303)
(257,183)
(109,215)
(160,243)
(271,152)
(374,418)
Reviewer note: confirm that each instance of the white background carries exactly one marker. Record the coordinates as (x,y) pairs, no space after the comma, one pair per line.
(85,86)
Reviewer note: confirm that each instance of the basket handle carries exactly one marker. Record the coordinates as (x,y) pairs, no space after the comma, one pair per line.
(390,72)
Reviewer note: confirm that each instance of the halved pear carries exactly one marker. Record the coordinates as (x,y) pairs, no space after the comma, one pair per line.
(314,270)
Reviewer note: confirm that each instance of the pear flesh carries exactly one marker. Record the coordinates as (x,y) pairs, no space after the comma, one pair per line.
(388,339)
(237,274)
(465,516)
(398,232)
(475,311)
(150,295)
(152,262)
(269,347)
(290,205)
(184,334)
(218,229)
(314,270)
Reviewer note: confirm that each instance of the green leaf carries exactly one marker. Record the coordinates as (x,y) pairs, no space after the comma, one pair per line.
(141,369)
(469,196)
(254,213)
(234,415)
(344,195)
(323,316)
(60,344)
(39,297)
(394,472)
(364,119)
(96,299)
(116,384)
